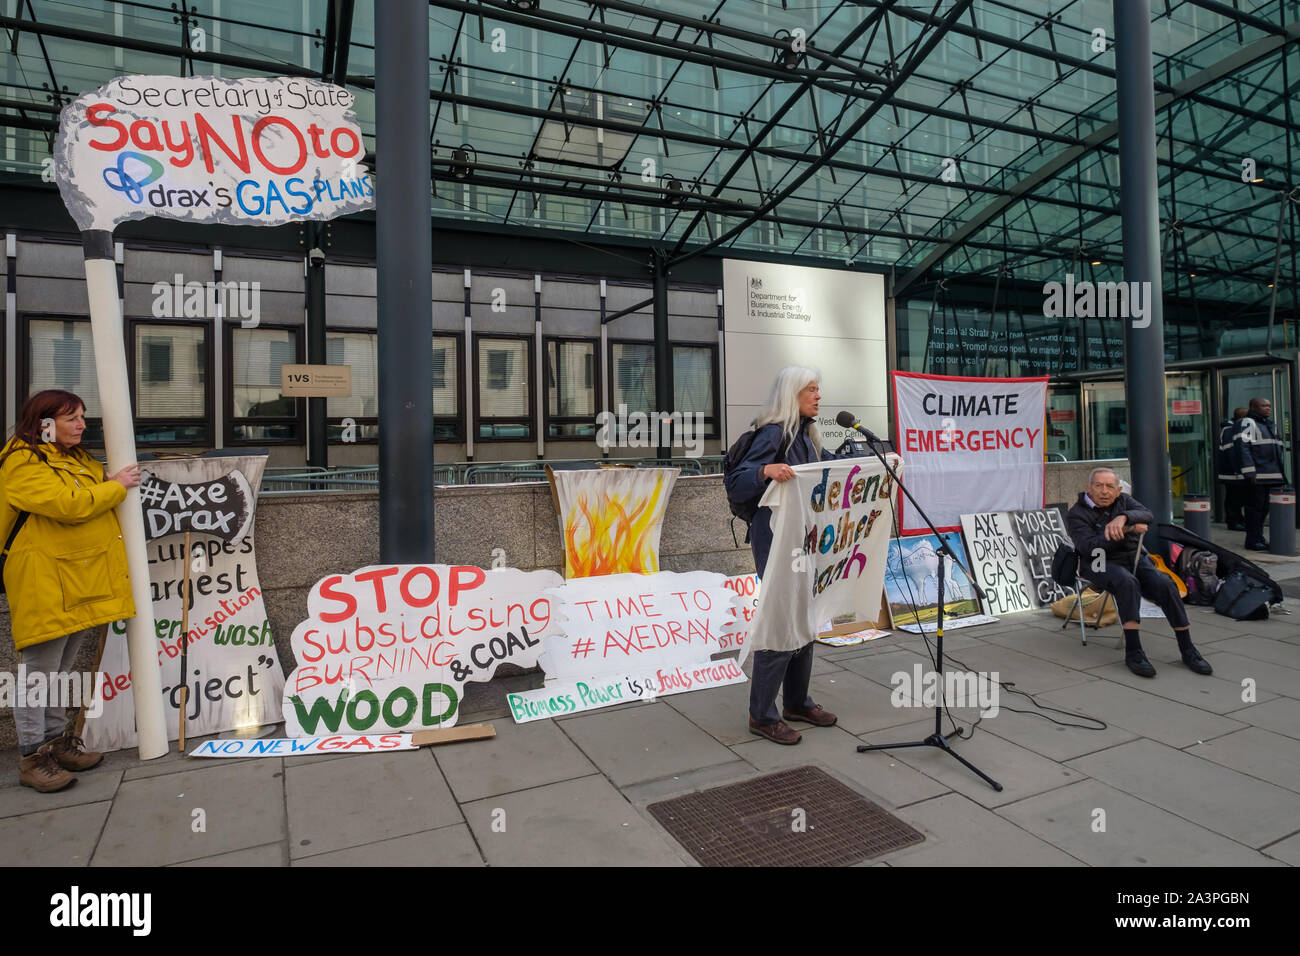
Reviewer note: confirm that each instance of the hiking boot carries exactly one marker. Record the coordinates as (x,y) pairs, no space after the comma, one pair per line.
(1137,662)
(816,715)
(778,733)
(71,753)
(41,772)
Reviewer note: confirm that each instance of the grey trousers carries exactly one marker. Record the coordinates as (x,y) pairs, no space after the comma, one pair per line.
(785,671)
(38,725)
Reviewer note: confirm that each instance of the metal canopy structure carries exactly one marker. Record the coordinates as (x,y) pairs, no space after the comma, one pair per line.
(957,138)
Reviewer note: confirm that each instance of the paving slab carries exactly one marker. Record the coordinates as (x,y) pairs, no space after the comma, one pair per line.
(881,668)
(1021,772)
(1280,715)
(721,712)
(1176,682)
(1268,676)
(583,822)
(691,781)
(1043,736)
(268,854)
(446,846)
(1135,832)
(1064,648)
(518,757)
(1143,714)
(859,704)
(1242,808)
(820,666)
(959,832)
(92,786)
(1288,850)
(1257,752)
(1033,675)
(895,641)
(644,743)
(366,798)
(54,837)
(1264,649)
(884,779)
(152,819)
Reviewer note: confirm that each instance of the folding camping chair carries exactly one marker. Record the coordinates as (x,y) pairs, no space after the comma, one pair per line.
(1081,583)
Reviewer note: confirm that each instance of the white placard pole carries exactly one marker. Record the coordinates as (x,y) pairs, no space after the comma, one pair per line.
(119,442)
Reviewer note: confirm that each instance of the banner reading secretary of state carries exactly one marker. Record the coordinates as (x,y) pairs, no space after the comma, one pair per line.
(830,539)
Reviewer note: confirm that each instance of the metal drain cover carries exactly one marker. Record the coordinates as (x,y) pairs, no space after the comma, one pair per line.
(798,817)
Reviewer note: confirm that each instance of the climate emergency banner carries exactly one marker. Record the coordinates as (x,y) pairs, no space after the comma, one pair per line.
(830,537)
(235,678)
(971,445)
(631,637)
(389,648)
(251,151)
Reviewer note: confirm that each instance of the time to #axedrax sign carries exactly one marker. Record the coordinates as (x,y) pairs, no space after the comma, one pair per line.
(257,151)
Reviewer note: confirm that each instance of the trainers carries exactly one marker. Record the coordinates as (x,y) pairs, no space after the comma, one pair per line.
(817,716)
(71,753)
(779,732)
(1137,662)
(41,772)
(1195,662)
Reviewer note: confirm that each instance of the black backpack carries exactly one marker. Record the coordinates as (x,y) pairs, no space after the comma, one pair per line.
(1065,566)
(1243,598)
(745,509)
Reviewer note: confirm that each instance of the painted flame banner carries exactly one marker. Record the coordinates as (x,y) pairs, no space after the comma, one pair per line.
(611,518)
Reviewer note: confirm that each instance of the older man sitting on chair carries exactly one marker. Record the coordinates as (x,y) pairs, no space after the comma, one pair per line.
(1106,526)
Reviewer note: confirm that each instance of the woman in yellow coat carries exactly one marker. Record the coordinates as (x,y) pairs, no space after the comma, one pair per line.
(64,569)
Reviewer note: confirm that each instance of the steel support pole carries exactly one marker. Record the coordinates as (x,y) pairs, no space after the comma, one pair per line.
(1144,338)
(404,256)
(314,240)
(663,354)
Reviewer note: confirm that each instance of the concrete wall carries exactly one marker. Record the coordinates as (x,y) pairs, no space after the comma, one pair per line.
(301,539)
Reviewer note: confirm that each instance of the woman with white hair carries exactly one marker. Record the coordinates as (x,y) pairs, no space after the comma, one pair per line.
(785,434)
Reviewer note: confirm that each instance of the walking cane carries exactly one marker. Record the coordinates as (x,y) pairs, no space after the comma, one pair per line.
(185,643)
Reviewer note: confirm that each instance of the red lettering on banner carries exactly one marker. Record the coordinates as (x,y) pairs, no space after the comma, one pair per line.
(343,597)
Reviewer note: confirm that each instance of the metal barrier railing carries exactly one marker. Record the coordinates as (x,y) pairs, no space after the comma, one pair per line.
(306,479)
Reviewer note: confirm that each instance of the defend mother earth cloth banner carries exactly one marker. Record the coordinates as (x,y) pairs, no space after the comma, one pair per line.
(830,536)
(234,678)
(971,445)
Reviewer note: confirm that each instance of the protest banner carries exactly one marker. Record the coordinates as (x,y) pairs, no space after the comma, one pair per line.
(828,549)
(1011,556)
(250,151)
(632,637)
(303,746)
(390,647)
(611,518)
(234,676)
(232,151)
(912,585)
(745,604)
(972,445)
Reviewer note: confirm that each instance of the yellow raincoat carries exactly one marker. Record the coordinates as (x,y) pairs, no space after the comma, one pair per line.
(67,568)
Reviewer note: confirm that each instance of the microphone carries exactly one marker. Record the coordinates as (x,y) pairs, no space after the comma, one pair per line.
(846,420)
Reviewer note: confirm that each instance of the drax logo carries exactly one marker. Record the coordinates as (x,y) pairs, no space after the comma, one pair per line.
(144,170)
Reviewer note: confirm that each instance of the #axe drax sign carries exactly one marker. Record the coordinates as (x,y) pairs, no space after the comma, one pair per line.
(223,507)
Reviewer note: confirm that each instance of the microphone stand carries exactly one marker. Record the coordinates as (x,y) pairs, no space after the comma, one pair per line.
(936,739)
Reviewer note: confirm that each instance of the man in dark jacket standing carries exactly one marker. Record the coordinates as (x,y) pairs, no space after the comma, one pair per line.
(1106,527)
(1234,484)
(1258,450)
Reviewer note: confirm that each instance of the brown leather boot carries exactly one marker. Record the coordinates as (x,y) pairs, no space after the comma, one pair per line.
(778,733)
(41,772)
(71,753)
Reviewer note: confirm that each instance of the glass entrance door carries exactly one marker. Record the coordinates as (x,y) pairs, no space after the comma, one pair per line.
(1239,385)
(1192,436)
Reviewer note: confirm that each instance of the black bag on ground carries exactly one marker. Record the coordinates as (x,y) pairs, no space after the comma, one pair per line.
(1242,598)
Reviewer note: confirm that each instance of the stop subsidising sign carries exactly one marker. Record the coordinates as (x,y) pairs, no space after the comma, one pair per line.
(249,151)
